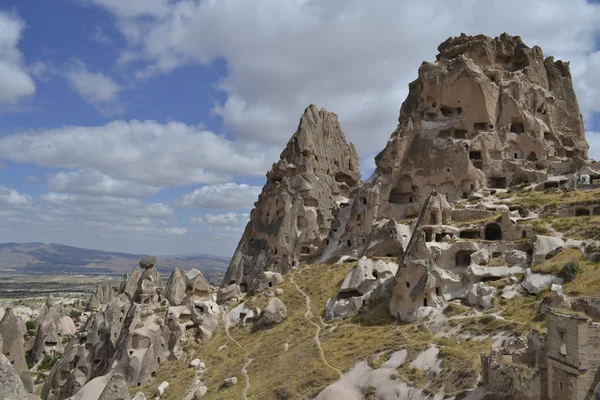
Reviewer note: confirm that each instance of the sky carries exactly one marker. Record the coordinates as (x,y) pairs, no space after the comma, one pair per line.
(147,126)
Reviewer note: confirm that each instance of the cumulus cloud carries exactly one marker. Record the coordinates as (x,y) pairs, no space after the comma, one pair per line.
(15,81)
(94,182)
(229,218)
(228,196)
(146,153)
(11,197)
(96,88)
(347,56)
(107,206)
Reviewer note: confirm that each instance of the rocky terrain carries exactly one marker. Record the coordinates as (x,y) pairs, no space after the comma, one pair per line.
(465,267)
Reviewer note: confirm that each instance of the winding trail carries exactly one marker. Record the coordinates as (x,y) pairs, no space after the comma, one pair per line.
(308,315)
(248,359)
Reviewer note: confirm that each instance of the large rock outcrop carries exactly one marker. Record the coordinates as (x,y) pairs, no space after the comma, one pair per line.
(293,216)
(53,327)
(11,386)
(12,330)
(488,113)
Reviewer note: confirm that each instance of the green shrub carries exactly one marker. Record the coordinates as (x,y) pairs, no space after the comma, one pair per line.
(75,314)
(30,325)
(569,271)
(48,362)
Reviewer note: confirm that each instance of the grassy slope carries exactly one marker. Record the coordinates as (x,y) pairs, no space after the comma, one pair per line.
(299,372)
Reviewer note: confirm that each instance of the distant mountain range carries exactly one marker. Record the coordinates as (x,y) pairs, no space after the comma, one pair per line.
(39,258)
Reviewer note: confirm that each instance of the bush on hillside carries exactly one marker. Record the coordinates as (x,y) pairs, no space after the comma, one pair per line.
(569,271)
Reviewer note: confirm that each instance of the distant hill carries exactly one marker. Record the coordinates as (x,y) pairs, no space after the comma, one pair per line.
(36,258)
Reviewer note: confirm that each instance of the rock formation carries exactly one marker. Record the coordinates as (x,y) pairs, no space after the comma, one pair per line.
(53,326)
(11,386)
(293,216)
(12,331)
(130,338)
(488,113)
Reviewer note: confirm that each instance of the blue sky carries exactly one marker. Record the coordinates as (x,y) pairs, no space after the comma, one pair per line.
(148,125)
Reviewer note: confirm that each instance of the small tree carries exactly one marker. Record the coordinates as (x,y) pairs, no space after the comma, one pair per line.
(569,271)
(75,314)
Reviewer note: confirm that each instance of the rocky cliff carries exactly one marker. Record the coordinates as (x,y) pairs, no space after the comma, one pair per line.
(488,113)
(293,217)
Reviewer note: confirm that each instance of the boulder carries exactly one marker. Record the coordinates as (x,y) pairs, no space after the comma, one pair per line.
(228,382)
(545,247)
(535,283)
(115,389)
(274,313)
(480,257)
(228,293)
(160,390)
(195,363)
(200,392)
(266,280)
(148,262)
(515,257)
(11,386)
(481,295)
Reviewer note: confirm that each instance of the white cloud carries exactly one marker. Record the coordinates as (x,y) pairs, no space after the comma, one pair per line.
(146,153)
(229,218)
(228,196)
(11,197)
(178,231)
(350,57)
(15,81)
(96,88)
(93,182)
(106,206)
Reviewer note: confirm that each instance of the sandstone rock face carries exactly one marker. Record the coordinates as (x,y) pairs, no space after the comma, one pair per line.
(53,325)
(11,386)
(266,280)
(12,330)
(229,292)
(116,388)
(488,113)
(175,287)
(293,216)
(123,337)
(365,283)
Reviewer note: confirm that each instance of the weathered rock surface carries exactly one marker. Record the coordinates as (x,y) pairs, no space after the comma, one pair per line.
(229,292)
(11,386)
(53,325)
(368,281)
(293,216)
(266,280)
(12,330)
(274,313)
(116,389)
(175,287)
(488,113)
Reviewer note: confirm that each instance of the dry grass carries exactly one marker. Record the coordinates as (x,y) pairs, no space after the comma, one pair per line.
(478,221)
(553,198)
(586,227)
(555,264)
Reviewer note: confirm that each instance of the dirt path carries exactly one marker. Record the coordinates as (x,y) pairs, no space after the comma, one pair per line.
(308,315)
(248,359)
